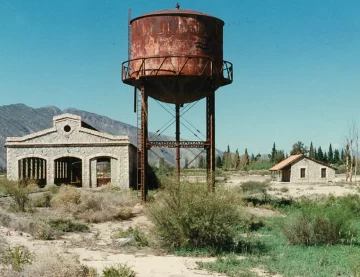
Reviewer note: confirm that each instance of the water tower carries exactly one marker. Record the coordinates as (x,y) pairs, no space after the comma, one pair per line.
(176,57)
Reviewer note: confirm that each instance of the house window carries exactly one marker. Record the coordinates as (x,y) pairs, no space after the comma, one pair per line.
(302,172)
(323,173)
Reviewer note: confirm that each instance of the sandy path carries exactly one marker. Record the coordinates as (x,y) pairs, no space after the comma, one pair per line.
(101,255)
(145,265)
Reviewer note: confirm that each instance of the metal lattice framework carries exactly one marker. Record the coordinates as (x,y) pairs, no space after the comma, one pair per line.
(137,72)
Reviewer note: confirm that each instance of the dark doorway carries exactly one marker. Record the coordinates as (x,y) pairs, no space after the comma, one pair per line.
(286,173)
(33,169)
(68,170)
(103,171)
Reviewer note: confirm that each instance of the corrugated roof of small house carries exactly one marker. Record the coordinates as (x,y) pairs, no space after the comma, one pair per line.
(294,158)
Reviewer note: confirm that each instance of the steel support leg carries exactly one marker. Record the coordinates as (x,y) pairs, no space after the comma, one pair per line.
(144,139)
(210,133)
(177,134)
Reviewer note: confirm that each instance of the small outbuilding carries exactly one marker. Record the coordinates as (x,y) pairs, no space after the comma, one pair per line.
(302,169)
(72,152)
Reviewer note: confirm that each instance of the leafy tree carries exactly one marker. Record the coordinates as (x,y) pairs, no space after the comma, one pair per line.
(201,163)
(336,156)
(237,160)
(315,154)
(320,154)
(330,155)
(342,155)
(218,162)
(279,156)
(311,151)
(299,148)
(246,158)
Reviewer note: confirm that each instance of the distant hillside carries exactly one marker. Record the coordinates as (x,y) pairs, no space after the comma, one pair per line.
(19,120)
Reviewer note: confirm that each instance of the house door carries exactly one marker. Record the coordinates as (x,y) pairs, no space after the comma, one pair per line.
(286,175)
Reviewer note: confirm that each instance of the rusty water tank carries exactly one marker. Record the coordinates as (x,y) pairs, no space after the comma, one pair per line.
(177,55)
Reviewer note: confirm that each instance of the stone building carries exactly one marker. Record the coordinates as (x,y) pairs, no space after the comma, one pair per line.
(72,152)
(302,169)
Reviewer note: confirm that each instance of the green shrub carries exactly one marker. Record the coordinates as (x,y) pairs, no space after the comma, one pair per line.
(19,192)
(253,187)
(355,270)
(190,216)
(284,189)
(140,238)
(18,256)
(319,224)
(67,225)
(118,271)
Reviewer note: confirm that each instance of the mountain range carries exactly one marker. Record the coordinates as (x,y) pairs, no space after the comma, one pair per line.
(19,120)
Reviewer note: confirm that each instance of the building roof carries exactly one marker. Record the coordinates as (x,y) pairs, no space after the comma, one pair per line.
(68,130)
(294,158)
(286,162)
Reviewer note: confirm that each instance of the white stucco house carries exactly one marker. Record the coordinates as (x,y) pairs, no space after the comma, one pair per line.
(302,169)
(72,152)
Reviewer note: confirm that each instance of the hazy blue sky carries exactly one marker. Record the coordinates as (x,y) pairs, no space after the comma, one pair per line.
(297,65)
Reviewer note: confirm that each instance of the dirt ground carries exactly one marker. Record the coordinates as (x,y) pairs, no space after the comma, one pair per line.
(97,249)
(295,190)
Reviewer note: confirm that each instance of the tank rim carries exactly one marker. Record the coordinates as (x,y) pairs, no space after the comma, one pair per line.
(175,12)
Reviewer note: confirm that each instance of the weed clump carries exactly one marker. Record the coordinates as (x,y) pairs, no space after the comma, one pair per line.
(253,187)
(53,265)
(43,201)
(67,225)
(118,271)
(103,207)
(66,196)
(188,215)
(320,224)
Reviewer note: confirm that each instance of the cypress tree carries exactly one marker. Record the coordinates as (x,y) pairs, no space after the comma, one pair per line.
(336,156)
(311,151)
(246,157)
(325,159)
(330,155)
(237,160)
(320,154)
(218,162)
(273,153)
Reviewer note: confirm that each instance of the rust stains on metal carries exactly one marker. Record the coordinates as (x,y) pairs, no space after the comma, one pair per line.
(179,53)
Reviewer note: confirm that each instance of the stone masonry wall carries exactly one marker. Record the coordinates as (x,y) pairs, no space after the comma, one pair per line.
(312,172)
(68,139)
